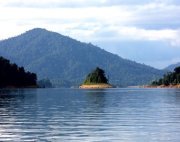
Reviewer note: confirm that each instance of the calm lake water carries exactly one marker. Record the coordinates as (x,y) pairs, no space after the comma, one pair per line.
(122,115)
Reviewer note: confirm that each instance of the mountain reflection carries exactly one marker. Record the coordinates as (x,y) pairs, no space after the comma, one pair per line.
(14,98)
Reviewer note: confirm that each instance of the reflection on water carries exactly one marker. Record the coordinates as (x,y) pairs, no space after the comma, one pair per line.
(108,115)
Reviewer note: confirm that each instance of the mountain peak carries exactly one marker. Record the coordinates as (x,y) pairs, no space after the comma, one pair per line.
(41,33)
(38,30)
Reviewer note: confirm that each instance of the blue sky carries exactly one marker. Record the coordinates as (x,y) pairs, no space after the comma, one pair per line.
(146,31)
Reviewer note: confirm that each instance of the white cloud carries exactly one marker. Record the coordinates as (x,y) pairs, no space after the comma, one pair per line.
(123,20)
(56,3)
(79,3)
(168,35)
(65,19)
(93,23)
(96,21)
(113,34)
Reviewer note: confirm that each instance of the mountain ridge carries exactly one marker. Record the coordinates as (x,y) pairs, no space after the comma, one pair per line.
(65,60)
(172,66)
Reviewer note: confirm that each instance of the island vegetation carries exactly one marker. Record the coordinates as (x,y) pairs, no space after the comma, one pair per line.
(13,76)
(171,79)
(96,79)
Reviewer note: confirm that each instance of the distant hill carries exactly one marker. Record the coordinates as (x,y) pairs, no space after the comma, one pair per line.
(172,67)
(13,76)
(66,61)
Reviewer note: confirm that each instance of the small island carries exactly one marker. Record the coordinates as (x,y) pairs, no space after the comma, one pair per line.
(96,80)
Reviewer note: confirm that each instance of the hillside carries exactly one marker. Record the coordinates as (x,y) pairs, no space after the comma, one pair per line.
(67,61)
(172,67)
(13,76)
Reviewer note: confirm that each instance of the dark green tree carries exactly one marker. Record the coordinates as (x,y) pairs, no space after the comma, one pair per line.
(13,76)
(96,76)
(177,70)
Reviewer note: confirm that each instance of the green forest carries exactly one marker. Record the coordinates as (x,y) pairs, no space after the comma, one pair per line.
(13,76)
(171,78)
(95,77)
(66,61)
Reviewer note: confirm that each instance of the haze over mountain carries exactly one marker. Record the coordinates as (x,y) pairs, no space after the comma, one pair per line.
(172,67)
(67,61)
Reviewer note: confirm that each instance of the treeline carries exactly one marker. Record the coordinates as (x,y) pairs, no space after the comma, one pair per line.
(96,76)
(13,76)
(171,78)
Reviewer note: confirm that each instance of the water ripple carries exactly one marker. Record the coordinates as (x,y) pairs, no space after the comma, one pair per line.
(126,115)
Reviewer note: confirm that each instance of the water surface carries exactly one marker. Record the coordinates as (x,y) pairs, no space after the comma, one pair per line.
(122,115)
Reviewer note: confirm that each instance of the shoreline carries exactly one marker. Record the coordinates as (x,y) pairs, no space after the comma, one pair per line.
(161,86)
(96,86)
(19,87)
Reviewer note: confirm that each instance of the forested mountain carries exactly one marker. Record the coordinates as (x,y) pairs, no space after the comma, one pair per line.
(172,67)
(13,76)
(66,61)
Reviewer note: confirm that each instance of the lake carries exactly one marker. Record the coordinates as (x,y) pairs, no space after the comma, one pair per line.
(72,115)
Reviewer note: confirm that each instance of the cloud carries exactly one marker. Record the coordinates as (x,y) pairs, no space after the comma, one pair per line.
(157,16)
(113,34)
(67,20)
(79,3)
(104,22)
(167,35)
(138,22)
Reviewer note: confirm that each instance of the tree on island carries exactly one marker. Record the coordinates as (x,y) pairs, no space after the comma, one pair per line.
(171,78)
(97,76)
(13,76)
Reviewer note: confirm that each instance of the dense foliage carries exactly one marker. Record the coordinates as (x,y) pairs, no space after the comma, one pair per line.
(171,78)
(13,76)
(67,61)
(96,76)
